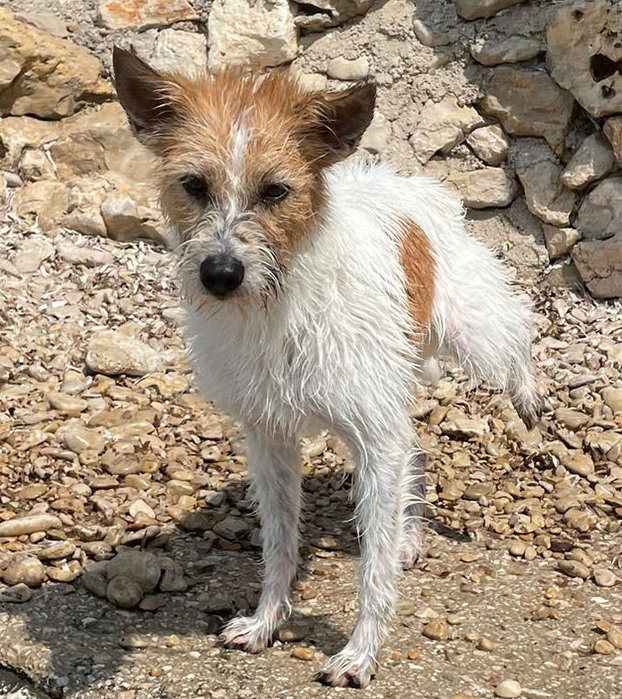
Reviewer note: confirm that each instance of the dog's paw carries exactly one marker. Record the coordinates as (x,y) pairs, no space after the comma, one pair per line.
(411,550)
(246,633)
(344,671)
(408,556)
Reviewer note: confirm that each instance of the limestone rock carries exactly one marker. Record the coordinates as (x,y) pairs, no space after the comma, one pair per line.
(43,75)
(141,567)
(491,52)
(94,578)
(377,134)
(429,36)
(124,592)
(111,353)
(172,576)
(529,103)
(29,524)
(458,424)
(584,47)
(490,144)
(126,220)
(612,397)
(601,211)
(98,140)
(474,9)
(244,32)
(593,160)
(142,14)
(600,266)
(485,188)
(442,125)
(341,68)
(540,174)
(78,438)
(45,21)
(328,13)
(613,131)
(27,570)
(44,201)
(173,50)
(559,241)
(32,253)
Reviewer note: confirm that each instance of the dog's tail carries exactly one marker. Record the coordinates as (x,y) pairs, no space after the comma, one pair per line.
(480,322)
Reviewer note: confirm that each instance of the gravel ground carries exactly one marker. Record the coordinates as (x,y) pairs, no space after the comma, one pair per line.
(521,581)
(86,448)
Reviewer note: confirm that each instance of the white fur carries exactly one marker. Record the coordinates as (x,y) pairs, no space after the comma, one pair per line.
(331,351)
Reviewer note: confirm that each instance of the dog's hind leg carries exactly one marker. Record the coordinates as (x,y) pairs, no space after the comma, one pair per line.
(411,546)
(380,484)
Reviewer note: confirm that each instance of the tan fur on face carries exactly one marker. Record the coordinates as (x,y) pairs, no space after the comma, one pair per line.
(419,268)
(232,135)
(272,112)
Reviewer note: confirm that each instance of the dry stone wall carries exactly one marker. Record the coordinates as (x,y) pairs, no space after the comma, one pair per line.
(515,103)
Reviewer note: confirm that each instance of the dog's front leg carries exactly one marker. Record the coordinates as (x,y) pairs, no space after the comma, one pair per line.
(274,466)
(381,493)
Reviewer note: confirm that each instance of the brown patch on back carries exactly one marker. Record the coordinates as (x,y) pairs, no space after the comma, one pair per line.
(418,263)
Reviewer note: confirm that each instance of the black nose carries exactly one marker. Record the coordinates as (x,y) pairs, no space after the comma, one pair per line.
(221,274)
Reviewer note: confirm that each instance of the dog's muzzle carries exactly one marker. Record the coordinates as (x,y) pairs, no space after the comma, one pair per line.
(221,274)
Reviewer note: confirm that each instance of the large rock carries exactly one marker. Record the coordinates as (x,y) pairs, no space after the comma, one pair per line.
(261,33)
(559,241)
(600,215)
(593,160)
(142,14)
(484,189)
(613,131)
(43,75)
(317,15)
(95,140)
(600,265)
(540,174)
(584,50)
(442,125)
(474,9)
(529,103)
(173,50)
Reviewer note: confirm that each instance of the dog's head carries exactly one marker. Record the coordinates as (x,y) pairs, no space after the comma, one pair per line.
(240,166)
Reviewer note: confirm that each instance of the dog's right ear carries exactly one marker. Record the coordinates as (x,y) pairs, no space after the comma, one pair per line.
(144,93)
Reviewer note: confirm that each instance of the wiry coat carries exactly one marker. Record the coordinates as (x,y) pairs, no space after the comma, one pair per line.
(350,282)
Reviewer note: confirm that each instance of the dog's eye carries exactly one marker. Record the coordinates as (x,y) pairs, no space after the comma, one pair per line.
(272,193)
(195,186)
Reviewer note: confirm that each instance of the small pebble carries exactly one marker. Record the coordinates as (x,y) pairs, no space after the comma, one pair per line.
(303,653)
(437,630)
(485,644)
(574,569)
(508,689)
(603,647)
(604,577)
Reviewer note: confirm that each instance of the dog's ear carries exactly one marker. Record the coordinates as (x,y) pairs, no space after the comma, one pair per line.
(144,93)
(337,120)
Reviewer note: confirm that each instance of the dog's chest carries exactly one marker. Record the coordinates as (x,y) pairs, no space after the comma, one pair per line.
(263,369)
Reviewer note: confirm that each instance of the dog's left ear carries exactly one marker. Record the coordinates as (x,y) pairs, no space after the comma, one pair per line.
(338,120)
(144,93)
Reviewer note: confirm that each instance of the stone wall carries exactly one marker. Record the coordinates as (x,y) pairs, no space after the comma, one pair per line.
(516,104)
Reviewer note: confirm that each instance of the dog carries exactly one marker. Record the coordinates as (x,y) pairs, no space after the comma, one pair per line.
(316,286)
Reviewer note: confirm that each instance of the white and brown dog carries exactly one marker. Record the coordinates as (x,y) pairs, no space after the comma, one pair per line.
(315,287)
